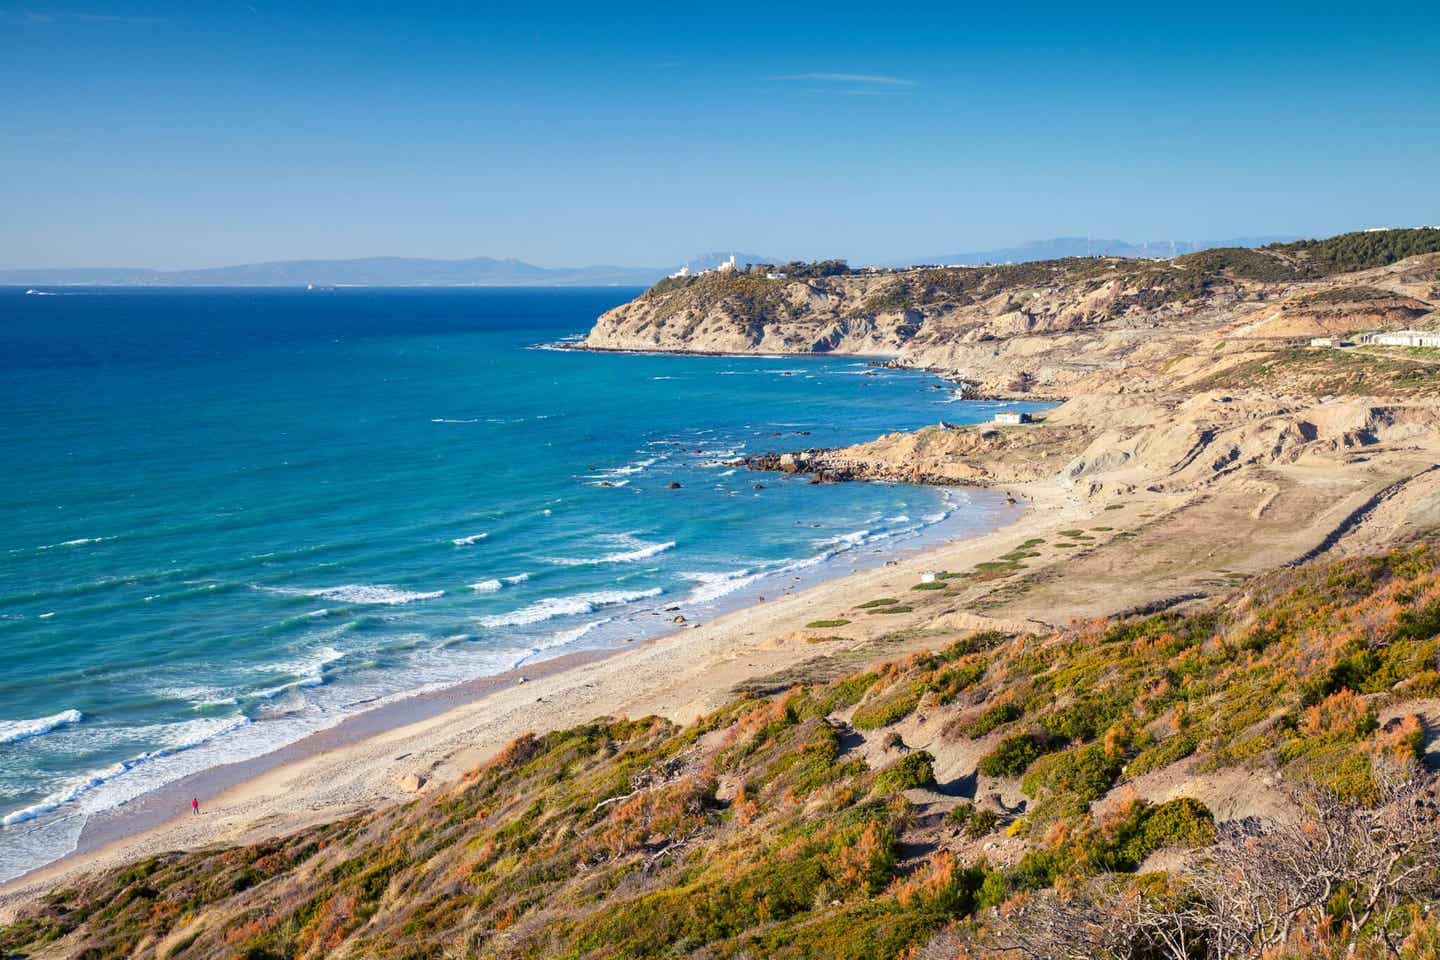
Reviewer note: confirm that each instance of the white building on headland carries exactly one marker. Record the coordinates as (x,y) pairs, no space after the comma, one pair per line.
(728,266)
(1405,338)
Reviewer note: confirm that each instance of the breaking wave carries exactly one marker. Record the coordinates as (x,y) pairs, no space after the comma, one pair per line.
(359,593)
(13,731)
(573,605)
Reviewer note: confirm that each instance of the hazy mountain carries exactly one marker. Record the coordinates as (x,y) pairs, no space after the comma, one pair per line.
(493,272)
(1057,247)
(370,271)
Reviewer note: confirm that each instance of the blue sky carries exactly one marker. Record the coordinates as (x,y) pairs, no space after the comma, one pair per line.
(197,134)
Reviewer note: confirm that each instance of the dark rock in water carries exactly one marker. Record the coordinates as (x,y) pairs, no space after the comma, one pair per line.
(678,618)
(673,485)
(759,486)
(606,483)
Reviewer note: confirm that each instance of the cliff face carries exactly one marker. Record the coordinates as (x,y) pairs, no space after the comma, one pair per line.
(1045,329)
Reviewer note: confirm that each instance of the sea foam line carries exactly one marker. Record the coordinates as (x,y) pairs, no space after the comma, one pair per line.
(573,605)
(641,551)
(358,593)
(13,731)
(77,542)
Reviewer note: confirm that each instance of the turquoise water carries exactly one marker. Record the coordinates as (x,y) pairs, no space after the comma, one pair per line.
(231,518)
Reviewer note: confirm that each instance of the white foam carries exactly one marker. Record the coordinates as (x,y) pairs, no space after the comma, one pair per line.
(640,550)
(845,541)
(486,586)
(77,542)
(448,420)
(310,669)
(573,605)
(358,593)
(517,578)
(713,586)
(467,541)
(13,731)
(191,735)
(637,466)
(561,638)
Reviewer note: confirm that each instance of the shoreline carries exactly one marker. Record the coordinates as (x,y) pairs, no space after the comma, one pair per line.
(296,784)
(888,361)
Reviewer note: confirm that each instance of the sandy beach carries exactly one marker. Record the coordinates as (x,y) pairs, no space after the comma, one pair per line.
(379,756)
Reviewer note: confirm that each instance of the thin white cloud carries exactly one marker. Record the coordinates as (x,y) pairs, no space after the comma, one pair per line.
(862,79)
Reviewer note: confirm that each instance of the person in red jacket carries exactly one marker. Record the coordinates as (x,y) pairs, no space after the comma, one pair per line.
(195,805)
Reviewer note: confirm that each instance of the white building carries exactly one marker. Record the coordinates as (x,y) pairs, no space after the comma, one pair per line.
(1406,338)
(682,272)
(1012,418)
(728,266)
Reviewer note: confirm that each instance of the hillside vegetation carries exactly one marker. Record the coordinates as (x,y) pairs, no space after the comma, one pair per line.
(802,824)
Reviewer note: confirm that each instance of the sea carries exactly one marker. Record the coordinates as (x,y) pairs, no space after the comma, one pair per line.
(231,518)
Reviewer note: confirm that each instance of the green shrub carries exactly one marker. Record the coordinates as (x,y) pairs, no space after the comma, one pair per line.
(880,602)
(974,643)
(1087,717)
(995,717)
(949,684)
(1075,777)
(1012,756)
(974,821)
(1125,844)
(913,770)
(1166,752)
(889,709)
(846,692)
(826,624)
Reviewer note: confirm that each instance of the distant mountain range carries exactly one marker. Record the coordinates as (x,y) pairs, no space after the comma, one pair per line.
(1058,247)
(492,272)
(370,271)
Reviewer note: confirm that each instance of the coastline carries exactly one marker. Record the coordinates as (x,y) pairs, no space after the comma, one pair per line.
(881,360)
(369,758)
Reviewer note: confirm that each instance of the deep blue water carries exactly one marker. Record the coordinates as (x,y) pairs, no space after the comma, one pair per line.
(230,518)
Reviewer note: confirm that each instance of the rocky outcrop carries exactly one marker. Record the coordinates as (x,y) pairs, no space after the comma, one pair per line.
(1106,446)
(941,455)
